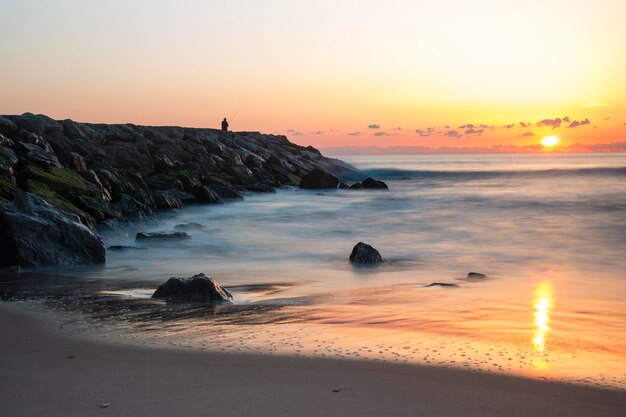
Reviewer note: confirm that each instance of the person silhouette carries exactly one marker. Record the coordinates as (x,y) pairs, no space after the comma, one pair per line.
(225,125)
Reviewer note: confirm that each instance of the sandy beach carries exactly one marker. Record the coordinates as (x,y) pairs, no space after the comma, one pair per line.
(46,373)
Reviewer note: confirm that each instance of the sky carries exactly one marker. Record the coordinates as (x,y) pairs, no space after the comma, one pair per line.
(460,74)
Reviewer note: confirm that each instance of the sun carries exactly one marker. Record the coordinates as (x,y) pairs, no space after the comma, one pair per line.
(550,141)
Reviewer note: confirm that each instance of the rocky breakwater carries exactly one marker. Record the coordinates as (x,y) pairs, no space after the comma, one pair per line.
(102,173)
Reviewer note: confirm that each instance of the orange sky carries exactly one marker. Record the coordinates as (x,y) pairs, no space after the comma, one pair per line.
(322,72)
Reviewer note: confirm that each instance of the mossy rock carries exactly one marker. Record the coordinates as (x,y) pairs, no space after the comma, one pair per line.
(7,189)
(52,197)
(67,190)
(61,180)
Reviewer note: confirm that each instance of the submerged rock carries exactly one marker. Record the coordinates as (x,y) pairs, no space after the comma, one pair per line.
(198,289)
(34,233)
(318,179)
(123,247)
(476,276)
(442,284)
(189,226)
(162,236)
(365,255)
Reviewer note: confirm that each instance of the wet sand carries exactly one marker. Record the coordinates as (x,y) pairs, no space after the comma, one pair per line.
(47,373)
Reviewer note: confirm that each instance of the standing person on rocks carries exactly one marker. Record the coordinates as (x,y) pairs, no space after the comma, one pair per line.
(225,125)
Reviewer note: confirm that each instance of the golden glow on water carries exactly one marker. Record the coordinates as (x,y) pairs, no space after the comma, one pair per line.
(542,303)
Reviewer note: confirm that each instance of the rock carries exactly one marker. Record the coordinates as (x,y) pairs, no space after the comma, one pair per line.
(197,289)
(318,179)
(13,269)
(7,127)
(33,233)
(123,247)
(226,191)
(39,156)
(162,236)
(442,284)
(189,226)
(476,276)
(38,123)
(260,188)
(8,160)
(343,186)
(365,255)
(166,200)
(369,183)
(131,207)
(372,183)
(77,162)
(206,195)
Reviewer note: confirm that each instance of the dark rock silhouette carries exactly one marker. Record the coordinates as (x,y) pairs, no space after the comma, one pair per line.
(101,172)
(197,289)
(318,179)
(33,233)
(365,255)
(369,183)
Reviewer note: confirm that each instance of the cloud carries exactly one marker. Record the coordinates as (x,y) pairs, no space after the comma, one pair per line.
(425,132)
(566,119)
(467,126)
(474,131)
(550,122)
(373,126)
(524,124)
(526,134)
(397,128)
(356,133)
(291,130)
(383,134)
(508,126)
(317,132)
(576,123)
(297,133)
(453,134)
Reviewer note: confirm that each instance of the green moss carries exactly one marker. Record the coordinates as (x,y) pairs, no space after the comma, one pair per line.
(294,179)
(59,178)
(7,189)
(52,197)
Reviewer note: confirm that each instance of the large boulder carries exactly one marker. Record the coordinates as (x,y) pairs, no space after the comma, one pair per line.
(365,255)
(197,289)
(33,233)
(318,179)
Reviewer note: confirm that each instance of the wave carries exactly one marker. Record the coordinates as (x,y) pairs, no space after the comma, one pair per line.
(460,175)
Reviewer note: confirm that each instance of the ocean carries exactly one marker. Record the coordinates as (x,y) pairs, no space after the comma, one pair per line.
(548,230)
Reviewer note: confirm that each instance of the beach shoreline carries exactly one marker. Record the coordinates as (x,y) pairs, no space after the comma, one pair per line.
(49,373)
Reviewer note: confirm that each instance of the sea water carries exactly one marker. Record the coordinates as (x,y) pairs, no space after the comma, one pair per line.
(548,230)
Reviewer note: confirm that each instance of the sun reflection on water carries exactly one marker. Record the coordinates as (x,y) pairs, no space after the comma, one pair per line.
(542,303)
